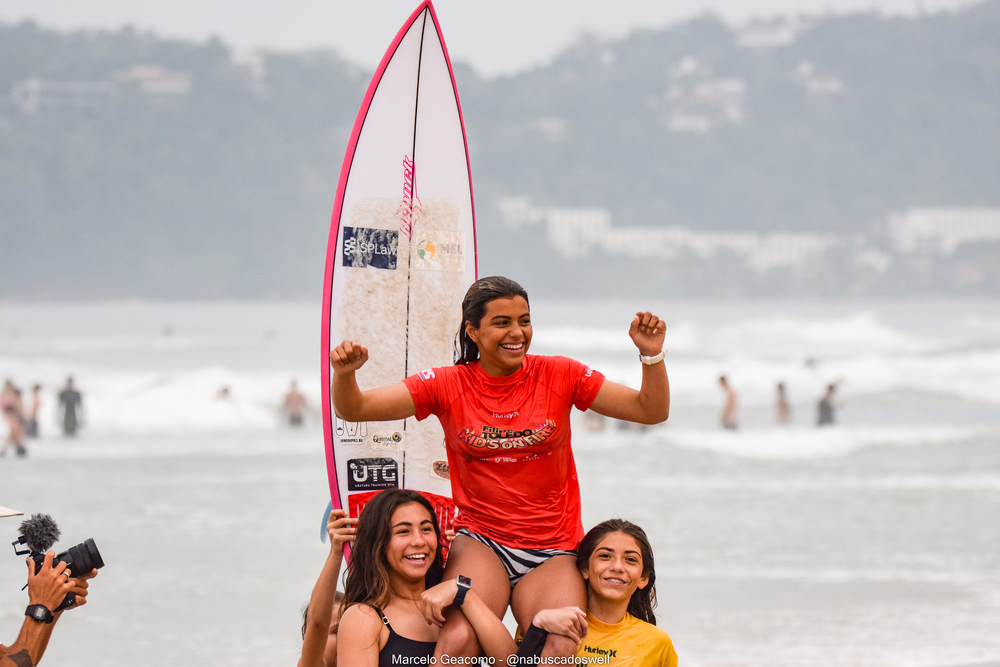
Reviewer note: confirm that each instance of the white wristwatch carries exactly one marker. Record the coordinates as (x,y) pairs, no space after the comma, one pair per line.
(655,359)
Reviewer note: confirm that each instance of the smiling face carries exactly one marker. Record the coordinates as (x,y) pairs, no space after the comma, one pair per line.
(503,335)
(614,571)
(412,542)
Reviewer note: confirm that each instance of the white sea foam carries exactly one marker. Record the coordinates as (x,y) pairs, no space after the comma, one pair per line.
(166,401)
(824,484)
(135,379)
(862,353)
(776,336)
(967,375)
(803,443)
(832,575)
(785,443)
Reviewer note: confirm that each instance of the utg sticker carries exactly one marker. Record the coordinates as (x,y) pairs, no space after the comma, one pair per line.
(372,474)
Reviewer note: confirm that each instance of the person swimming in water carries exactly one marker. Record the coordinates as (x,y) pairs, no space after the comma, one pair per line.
(505,416)
(730,421)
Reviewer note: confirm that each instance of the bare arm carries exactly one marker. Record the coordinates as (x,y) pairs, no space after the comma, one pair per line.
(352,404)
(49,587)
(358,644)
(651,403)
(493,637)
(27,650)
(341,530)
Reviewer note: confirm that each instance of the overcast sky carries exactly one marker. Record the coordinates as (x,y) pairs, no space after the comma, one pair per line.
(496,37)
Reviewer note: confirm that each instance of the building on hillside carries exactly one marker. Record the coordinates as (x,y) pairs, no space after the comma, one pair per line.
(941,231)
(816,82)
(34,94)
(771,34)
(579,232)
(156,82)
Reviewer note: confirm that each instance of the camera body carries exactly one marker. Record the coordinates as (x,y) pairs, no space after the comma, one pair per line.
(39,533)
(79,559)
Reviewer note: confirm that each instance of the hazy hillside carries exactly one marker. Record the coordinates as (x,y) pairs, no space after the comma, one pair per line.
(894,113)
(134,166)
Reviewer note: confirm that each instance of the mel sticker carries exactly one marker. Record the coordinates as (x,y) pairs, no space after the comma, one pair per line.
(438,251)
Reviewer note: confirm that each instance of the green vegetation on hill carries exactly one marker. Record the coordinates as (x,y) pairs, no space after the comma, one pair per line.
(226,191)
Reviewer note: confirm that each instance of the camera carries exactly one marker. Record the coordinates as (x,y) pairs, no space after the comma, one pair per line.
(39,533)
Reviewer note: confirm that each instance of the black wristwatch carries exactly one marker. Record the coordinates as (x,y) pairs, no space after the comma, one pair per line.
(39,612)
(464,584)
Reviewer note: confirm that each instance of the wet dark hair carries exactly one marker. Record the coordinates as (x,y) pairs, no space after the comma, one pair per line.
(474,305)
(643,600)
(368,572)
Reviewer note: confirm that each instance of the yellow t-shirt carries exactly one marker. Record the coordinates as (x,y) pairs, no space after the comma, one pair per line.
(631,643)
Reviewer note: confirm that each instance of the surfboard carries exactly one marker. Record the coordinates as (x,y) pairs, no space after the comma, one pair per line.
(400,257)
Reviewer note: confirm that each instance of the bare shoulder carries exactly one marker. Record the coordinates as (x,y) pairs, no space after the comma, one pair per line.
(360,619)
(360,637)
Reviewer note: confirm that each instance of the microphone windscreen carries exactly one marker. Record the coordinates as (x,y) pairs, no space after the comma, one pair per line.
(39,532)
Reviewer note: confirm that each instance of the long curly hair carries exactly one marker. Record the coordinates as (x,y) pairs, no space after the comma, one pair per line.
(643,600)
(368,580)
(474,305)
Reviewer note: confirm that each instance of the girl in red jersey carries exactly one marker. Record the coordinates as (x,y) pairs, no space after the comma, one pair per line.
(505,416)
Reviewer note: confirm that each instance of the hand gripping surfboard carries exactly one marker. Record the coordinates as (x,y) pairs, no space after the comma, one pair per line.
(400,257)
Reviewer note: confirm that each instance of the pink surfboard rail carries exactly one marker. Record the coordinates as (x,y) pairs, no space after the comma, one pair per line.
(423,11)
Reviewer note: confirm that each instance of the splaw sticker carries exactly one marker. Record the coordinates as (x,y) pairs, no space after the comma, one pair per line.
(375,248)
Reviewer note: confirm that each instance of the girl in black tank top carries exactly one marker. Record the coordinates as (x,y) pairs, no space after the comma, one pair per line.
(396,568)
(411,651)
(396,558)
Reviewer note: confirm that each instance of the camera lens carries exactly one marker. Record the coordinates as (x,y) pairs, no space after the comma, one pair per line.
(82,558)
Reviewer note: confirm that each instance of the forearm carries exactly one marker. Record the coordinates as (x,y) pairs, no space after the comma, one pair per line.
(493,637)
(654,394)
(30,645)
(46,634)
(321,611)
(348,400)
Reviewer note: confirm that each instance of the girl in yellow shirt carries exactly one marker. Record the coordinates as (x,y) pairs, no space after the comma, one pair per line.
(617,563)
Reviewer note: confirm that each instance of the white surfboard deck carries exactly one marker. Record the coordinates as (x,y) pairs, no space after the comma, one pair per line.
(401,255)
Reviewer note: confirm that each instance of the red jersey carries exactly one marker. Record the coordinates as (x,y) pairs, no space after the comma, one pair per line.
(513,477)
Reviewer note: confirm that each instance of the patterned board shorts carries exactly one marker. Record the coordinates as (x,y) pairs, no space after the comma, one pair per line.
(517,562)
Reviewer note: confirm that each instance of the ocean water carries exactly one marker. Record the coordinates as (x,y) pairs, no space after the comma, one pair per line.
(873,542)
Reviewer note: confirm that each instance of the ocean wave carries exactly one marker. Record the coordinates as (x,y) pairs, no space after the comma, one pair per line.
(972,375)
(826,483)
(960,576)
(167,401)
(812,443)
(776,336)
(782,443)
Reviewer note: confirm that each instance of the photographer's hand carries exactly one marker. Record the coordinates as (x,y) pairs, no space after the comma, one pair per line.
(49,588)
(51,584)
(80,589)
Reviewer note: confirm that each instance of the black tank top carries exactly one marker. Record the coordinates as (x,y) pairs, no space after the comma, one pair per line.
(412,651)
